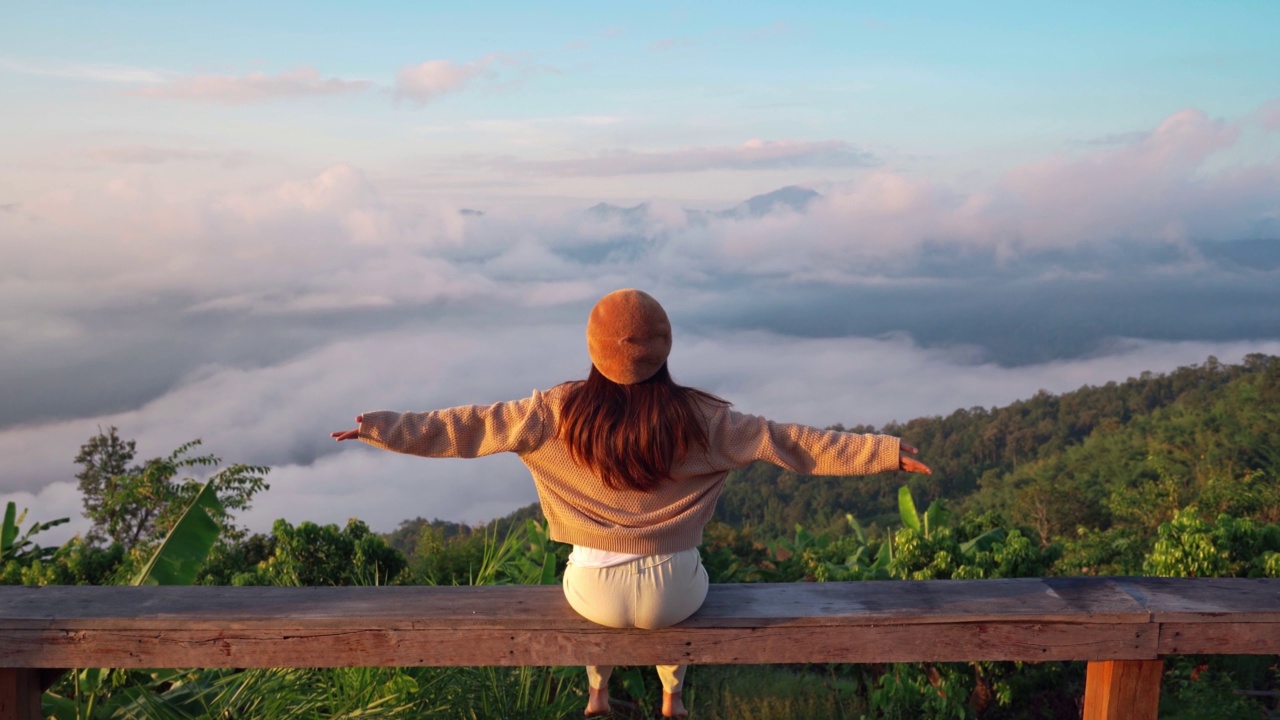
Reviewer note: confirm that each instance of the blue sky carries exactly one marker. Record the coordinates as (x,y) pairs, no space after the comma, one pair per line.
(959,91)
(247,222)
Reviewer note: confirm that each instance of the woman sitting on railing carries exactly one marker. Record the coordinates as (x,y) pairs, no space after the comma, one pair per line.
(628,466)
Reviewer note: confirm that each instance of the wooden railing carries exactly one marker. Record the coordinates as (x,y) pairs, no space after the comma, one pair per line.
(1121,626)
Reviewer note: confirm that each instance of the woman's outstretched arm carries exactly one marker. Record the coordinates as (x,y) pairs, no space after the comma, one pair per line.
(743,439)
(463,431)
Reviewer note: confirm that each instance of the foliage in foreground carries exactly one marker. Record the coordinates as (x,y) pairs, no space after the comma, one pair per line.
(930,544)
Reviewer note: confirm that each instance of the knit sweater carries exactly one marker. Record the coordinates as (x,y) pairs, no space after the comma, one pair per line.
(580,509)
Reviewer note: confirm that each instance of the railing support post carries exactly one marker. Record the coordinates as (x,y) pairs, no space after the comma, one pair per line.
(20,691)
(1123,689)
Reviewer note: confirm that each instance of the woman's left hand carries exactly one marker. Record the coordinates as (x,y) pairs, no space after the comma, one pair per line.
(910,464)
(348,434)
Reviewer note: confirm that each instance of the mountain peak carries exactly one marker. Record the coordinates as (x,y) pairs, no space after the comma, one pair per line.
(606,211)
(793,197)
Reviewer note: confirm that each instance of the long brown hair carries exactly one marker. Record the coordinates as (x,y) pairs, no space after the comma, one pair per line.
(631,435)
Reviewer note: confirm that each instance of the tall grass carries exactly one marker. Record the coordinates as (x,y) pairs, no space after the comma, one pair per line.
(449,693)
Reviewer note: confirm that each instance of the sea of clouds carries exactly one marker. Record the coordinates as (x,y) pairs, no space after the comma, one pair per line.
(259,318)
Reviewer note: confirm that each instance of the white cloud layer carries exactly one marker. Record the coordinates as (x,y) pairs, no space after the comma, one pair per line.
(261,318)
(754,154)
(281,415)
(251,87)
(89,72)
(333,240)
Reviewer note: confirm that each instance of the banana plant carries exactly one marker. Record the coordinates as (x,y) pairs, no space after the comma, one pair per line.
(177,561)
(938,516)
(13,547)
(871,569)
(179,558)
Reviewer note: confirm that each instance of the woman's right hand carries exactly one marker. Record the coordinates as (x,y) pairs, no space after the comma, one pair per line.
(341,435)
(910,464)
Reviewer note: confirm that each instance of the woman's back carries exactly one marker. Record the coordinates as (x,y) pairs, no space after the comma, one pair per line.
(581,509)
(628,466)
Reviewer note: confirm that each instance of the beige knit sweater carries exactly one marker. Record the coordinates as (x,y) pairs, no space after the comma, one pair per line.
(582,510)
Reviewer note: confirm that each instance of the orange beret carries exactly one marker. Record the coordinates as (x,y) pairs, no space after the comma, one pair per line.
(628,336)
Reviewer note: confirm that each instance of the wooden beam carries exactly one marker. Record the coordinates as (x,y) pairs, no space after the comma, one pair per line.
(1215,638)
(19,694)
(897,602)
(1123,690)
(587,645)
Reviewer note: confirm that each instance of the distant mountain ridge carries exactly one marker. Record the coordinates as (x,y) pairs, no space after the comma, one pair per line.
(629,215)
(792,198)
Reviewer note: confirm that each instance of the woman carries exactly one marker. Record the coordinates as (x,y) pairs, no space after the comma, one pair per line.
(628,466)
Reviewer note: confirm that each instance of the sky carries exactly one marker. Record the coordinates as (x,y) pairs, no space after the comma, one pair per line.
(248,222)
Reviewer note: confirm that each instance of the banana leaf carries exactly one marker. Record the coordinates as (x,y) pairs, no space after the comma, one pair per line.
(13,547)
(983,542)
(179,557)
(8,531)
(907,509)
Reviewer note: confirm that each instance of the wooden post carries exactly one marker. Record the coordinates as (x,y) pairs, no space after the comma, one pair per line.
(19,694)
(1123,689)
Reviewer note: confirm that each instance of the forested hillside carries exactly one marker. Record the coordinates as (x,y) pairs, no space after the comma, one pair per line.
(1093,473)
(1123,453)
(1169,475)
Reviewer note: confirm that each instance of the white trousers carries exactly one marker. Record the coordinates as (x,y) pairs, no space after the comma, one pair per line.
(649,593)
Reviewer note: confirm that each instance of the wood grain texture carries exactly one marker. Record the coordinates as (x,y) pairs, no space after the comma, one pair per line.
(588,646)
(19,694)
(746,605)
(1206,600)
(1220,638)
(1123,690)
(1023,619)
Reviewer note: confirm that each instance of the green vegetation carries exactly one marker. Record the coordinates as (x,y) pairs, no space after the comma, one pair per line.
(1172,475)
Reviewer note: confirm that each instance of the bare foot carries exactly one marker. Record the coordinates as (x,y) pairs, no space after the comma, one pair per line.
(598,703)
(673,705)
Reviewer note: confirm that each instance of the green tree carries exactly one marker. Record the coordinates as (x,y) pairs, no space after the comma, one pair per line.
(1191,546)
(137,505)
(104,462)
(311,555)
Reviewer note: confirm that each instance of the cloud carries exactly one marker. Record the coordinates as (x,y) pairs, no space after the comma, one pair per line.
(280,415)
(151,155)
(1150,188)
(112,295)
(1269,115)
(252,87)
(334,240)
(1157,189)
(261,317)
(428,81)
(103,73)
(751,155)
(301,244)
